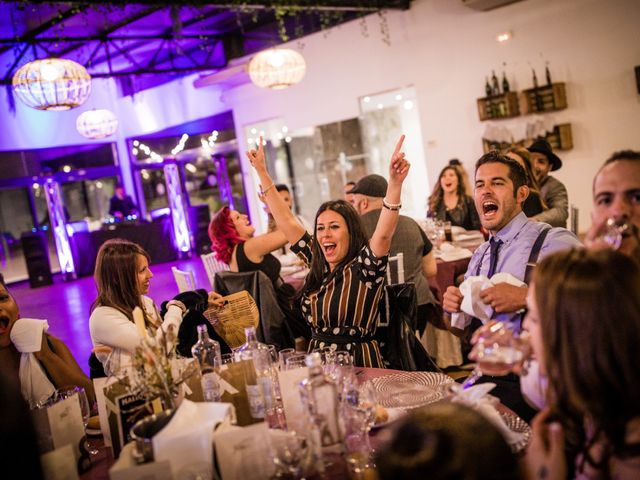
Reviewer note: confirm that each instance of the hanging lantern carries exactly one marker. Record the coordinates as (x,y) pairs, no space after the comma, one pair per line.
(52,84)
(277,68)
(96,123)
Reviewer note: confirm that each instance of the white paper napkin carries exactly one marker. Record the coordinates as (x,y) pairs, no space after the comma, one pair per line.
(26,334)
(471,288)
(187,441)
(478,398)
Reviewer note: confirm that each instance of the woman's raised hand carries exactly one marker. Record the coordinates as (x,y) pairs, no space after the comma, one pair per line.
(399,166)
(256,157)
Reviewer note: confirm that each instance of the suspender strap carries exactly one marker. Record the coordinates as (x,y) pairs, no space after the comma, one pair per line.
(533,256)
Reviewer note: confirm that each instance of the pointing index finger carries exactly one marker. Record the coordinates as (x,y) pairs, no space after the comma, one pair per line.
(399,145)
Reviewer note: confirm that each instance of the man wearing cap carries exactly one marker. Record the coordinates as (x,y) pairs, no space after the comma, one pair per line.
(409,239)
(552,190)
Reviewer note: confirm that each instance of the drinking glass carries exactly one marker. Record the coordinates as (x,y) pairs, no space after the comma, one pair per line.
(283,355)
(225,359)
(497,352)
(359,413)
(69,391)
(615,229)
(295,361)
(288,451)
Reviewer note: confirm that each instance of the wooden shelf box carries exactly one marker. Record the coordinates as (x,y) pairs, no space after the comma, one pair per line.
(549,98)
(498,106)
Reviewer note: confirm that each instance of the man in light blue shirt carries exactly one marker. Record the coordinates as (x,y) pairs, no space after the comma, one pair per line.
(500,190)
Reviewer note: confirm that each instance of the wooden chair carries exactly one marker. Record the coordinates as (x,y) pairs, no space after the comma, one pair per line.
(398,260)
(213,266)
(185,280)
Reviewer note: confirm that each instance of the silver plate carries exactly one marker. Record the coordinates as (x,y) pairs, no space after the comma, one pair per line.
(410,389)
(518,425)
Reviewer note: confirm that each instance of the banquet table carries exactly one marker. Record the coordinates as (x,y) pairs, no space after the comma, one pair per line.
(104,460)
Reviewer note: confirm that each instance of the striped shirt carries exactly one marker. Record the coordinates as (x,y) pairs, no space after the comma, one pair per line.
(343,313)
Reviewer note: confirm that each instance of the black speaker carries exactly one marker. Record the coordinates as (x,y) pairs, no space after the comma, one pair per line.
(198,226)
(36,254)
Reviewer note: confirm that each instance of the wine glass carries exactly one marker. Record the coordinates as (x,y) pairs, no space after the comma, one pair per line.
(283,355)
(497,352)
(68,392)
(288,451)
(359,410)
(295,361)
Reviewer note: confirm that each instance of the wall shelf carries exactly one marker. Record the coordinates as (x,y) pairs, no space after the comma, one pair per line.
(561,138)
(498,107)
(549,98)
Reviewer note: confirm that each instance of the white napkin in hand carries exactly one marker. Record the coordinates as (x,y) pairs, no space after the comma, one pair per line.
(478,398)
(187,441)
(471,288)
(26,334)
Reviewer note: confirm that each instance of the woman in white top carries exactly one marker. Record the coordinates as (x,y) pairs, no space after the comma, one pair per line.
(122,277)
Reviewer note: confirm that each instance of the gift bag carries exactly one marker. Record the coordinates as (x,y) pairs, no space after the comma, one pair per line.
(233,385)
(59,424)
(123,410)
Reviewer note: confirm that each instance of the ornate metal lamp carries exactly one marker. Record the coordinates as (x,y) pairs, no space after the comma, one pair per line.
(277,68)
(52,84)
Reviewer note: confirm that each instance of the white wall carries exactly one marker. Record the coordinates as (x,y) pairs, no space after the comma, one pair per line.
(442,48)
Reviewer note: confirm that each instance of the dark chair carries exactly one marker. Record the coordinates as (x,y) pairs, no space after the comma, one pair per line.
(400,347)
(273,328)
(96,370)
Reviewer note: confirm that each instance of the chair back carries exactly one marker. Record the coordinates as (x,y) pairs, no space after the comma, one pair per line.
(185,280)
(273,328)
(396,261)
(212,266)
(574,219)
(399,345)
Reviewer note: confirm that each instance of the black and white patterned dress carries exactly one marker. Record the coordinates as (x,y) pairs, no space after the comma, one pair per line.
(343,313)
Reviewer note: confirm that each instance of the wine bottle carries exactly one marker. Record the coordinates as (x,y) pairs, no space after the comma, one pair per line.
(495,86)
(538,98)
(547,74)
(505,83)
(487,87)
(535,78)
(207,353)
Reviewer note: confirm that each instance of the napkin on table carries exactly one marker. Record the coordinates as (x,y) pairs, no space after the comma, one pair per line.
(478,398)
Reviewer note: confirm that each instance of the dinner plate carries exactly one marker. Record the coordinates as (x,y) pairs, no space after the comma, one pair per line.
(516,424)
(409,390)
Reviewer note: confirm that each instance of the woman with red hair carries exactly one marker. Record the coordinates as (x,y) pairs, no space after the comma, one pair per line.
(233,242)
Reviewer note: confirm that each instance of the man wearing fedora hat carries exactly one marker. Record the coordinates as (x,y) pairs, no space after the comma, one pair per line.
(552,190)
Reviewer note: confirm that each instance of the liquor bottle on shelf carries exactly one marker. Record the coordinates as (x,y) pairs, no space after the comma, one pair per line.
(547,74)
(487,87)
(206,352)
(505,83)
(538,98)
(495,86)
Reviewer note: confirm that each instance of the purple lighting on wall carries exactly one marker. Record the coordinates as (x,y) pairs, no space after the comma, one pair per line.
(59,228)
(175,197)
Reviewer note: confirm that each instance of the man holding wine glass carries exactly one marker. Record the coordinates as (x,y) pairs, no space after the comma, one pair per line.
(516,244)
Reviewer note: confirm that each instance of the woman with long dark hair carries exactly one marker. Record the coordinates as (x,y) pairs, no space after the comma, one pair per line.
(450,201)
(342,290)
(584,323)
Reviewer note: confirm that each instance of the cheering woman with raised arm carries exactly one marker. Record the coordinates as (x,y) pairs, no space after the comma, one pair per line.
(341,293)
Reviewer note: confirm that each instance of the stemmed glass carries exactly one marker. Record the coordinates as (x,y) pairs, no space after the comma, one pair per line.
(289,451)
(497,352)
(614,231)
(359,410)
(68,392)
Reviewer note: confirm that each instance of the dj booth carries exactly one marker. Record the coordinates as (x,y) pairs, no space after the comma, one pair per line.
(154,237)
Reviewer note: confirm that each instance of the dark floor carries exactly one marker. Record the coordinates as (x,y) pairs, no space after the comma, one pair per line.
(67,305)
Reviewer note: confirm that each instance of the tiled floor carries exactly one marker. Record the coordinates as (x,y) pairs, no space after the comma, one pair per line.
(67,305)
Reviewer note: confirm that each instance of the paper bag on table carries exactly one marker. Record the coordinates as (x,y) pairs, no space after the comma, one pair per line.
(289,381)
(187,441)
(243,453)
(123,410)
(233,385)
(60,424)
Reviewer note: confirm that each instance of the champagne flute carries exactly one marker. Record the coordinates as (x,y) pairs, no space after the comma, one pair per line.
(68,392)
